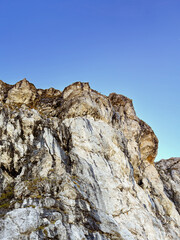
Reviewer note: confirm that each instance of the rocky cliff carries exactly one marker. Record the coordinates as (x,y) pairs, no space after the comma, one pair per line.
(77,165)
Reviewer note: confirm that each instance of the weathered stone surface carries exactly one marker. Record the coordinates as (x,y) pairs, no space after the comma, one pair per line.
(79,165)
(169,171)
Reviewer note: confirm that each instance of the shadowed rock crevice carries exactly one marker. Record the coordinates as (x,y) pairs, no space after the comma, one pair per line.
(11,172)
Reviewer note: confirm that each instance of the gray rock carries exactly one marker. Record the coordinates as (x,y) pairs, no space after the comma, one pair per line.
(79,165)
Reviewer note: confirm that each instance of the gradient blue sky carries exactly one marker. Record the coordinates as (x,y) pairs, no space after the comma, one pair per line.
(131,47)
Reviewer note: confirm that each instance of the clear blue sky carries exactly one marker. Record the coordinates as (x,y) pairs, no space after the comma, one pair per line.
(131,47)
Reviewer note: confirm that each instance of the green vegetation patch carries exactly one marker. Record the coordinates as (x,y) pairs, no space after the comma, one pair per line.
(7,196)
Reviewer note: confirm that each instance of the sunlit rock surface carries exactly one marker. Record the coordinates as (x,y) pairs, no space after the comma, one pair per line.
(77,165)
(169,171)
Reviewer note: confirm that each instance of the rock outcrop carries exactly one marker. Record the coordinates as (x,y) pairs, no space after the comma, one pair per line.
(79,165)
(169,171)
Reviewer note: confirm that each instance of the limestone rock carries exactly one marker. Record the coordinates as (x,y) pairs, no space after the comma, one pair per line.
(169,171)
(22,92)
(80,165)
(4,88)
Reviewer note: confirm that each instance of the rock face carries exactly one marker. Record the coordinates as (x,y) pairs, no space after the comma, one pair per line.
(169,171)
(78,165)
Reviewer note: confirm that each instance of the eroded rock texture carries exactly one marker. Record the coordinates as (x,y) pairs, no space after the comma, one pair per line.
(169,171)
(77,165)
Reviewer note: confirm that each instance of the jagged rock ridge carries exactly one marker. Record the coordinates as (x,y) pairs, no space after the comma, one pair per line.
(79,165)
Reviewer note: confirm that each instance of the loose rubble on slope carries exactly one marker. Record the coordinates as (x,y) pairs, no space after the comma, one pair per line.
(79,165)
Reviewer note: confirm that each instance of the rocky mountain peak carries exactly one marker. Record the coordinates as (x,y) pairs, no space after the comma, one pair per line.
(76,165)
(76,88)
(24,83)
